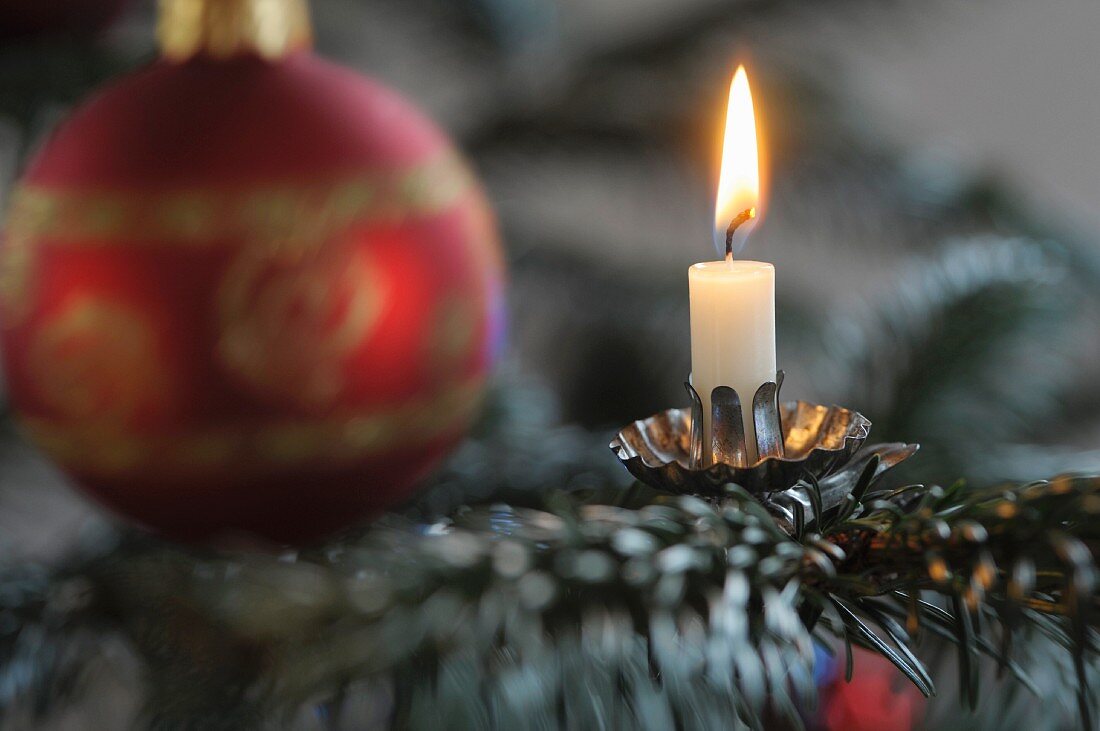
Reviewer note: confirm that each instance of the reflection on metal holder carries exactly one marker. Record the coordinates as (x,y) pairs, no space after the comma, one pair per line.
(795,440)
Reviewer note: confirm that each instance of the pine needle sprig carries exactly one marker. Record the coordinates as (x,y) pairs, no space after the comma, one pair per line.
(1012,556)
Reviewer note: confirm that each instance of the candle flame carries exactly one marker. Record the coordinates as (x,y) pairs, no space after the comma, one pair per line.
(739,181)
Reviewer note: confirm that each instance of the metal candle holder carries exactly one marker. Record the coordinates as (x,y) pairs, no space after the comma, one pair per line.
(796,440)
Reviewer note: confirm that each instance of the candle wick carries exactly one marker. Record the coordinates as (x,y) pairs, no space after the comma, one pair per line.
(740,219)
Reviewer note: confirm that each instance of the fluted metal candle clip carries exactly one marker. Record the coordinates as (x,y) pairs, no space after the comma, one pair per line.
(729,443)
(795,440)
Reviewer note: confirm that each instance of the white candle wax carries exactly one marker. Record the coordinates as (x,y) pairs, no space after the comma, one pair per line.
(732,335)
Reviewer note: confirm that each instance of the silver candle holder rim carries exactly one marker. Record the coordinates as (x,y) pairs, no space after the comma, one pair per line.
(666,449)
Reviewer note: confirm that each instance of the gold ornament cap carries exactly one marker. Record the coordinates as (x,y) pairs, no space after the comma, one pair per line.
(225,28)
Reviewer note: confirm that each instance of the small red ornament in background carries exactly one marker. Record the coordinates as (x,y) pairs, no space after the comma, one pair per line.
(879,698)
(247,290)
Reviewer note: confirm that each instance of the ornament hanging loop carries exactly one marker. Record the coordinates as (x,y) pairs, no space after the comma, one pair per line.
(222,29)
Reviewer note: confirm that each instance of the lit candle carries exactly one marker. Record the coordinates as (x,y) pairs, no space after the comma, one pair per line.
(733,301)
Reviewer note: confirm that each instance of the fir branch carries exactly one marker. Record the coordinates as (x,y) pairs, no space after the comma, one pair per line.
(659,611)
(964,353)
(1020,554)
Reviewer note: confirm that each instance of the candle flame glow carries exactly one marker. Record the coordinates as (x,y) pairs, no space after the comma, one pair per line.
(739,181)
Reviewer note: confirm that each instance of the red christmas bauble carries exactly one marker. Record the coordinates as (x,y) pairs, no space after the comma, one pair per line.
(248,295)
